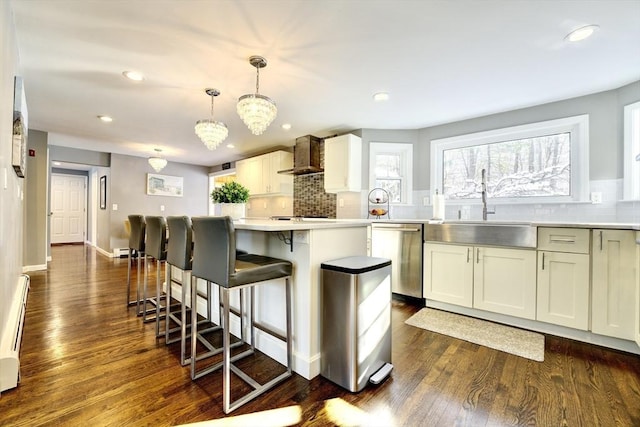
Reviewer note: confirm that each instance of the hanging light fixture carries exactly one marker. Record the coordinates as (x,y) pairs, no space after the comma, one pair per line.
(257,111)
(211,132)
(157,163)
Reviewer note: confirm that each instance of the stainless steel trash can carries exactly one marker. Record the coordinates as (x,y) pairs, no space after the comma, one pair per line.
(355,303)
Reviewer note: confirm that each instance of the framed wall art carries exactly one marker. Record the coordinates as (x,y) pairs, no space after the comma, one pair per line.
(164,185)
(19,149)
(103,192)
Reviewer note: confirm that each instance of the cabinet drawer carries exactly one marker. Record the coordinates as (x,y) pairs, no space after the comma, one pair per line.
(574,240)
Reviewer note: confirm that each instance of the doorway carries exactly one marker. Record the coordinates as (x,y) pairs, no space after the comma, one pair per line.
(68,208)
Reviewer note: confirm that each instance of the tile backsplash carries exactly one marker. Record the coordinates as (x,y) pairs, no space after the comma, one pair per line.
(309,198)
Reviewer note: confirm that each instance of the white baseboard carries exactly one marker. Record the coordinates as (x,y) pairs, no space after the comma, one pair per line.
(28,268)
(103,252)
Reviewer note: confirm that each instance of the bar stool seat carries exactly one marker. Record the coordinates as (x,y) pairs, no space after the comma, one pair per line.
(136,245)
(156,249)
(215,260)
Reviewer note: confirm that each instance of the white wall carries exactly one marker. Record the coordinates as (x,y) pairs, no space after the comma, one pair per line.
(11,188)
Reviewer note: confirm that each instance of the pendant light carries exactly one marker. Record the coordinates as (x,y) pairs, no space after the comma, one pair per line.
(257,111)
(211,132)
(157,163)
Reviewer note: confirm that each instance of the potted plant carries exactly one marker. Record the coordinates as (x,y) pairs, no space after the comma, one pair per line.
(230,199)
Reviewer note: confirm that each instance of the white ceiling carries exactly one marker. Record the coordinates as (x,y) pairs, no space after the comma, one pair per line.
(440,61)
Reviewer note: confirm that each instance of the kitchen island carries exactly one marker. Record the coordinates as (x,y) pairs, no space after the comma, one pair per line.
(306,243)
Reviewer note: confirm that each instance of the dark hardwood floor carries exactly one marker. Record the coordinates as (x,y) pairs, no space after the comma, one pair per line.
(89,361)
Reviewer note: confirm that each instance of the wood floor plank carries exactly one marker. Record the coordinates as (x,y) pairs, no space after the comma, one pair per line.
(89,360)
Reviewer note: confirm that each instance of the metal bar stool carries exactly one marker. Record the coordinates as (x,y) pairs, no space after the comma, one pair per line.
(136,244)
(156,249)
(214,260)
(179,255)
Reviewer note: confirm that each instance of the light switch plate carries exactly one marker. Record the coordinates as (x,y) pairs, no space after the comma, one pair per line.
(114,207)
(596,197)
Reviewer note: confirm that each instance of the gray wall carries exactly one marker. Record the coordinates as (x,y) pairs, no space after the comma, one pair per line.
(11,205)
(127,189)
(606,143)
(75,155)
(36,202)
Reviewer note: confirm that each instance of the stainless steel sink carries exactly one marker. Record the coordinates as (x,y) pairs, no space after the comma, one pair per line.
(521,235)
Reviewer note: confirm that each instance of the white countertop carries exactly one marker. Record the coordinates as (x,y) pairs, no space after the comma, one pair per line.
(305,224)
(566,224)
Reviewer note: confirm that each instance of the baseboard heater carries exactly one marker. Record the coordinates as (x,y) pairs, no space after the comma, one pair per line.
(12,337)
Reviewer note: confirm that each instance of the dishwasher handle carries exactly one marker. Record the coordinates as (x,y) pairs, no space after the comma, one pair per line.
(401,228)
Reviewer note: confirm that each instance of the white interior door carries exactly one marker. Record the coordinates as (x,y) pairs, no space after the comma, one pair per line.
(68,214)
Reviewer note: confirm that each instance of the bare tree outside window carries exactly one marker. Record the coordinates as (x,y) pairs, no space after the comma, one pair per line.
(388,175)
(528,167)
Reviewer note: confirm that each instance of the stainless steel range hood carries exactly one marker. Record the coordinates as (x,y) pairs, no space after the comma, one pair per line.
(306,156)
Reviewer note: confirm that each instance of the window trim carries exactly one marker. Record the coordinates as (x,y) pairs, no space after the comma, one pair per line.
(630,185)
(405,150)
(578,126)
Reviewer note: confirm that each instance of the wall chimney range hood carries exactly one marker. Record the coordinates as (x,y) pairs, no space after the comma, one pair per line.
(306,156)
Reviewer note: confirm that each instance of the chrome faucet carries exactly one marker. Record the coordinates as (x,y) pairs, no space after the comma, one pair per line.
(485,212)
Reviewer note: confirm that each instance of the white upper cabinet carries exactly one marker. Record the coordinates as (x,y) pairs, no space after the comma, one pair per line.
(260,174)
(343,164)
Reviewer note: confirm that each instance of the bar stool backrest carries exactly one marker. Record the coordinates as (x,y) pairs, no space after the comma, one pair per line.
(180,245)
(156,245)
(214,252)
(136,237)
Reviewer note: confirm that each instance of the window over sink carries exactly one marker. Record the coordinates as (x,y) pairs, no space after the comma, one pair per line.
(538,162)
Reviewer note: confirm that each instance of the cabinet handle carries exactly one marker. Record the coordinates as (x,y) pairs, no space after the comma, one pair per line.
(600,241)
(477,255)
(542,260)
(562,240)
(468,250)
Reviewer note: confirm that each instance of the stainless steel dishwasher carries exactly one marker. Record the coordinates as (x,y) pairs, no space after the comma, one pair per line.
(402,244)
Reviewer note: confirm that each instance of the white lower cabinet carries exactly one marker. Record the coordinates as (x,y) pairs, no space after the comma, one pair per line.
(504,281)
(563,276)
(563,289)
(501,280)
(448,273)
(613,272)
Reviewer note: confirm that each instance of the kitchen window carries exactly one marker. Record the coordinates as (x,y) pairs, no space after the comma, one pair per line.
(539,162)
(390,168)
(632,151)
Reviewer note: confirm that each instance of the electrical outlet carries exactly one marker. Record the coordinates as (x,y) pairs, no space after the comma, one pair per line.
(341,203)
(596,197)
(425,201)
(161,208)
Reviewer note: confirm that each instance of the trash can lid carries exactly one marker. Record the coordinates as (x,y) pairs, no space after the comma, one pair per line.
(355,264)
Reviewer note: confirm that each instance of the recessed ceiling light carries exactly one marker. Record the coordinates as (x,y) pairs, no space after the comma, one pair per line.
(133,75)
(231,146)
(381,96)
(581,33)
(105,119)
(57,164)
(286,126)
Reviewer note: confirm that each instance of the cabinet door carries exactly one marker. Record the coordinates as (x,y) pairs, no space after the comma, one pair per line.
(342,164)
(505,281)
(638,287)
(246,175)
(563,289)
(274,182)
(613,276)
(448,273)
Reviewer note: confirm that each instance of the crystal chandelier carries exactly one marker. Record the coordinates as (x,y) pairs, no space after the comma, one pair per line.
(257,111)
(211,132)
(157,163)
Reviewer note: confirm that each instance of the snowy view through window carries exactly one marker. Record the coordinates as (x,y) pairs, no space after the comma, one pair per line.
(529,167)
(388,176)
